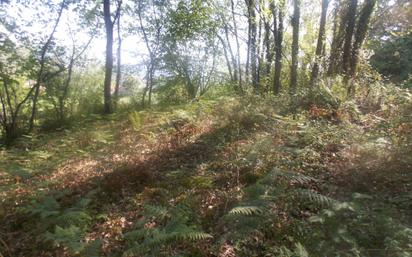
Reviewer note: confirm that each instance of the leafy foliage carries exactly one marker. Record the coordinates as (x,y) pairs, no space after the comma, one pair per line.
(163,227)
(63,226)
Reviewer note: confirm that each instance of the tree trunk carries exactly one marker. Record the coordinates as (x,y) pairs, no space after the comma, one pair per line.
(320,43)
(249,39)
(360,34)
(66,88)
(151,67)
(228,62)
(109,57)
(269,53)
(119,64)
(259,49)
(277,84)
(295,47)
(350,28)
(253,50)
(40,75)
(334,46)
(232,5)
(232,56)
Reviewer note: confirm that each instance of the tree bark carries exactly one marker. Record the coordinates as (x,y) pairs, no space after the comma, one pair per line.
(232,5)
(360,34)
(108,105)
(350,28)
(334,54)
(253,53)
(109,57)
(119,64)
(295,47)
(277,84)
(269,53)
(320,43)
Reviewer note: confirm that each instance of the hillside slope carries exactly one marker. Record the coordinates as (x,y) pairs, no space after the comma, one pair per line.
(229,177)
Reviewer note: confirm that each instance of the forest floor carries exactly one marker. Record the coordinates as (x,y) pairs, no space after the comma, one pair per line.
(82,190)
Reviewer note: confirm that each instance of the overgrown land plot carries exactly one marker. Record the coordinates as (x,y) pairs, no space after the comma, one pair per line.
(223,128)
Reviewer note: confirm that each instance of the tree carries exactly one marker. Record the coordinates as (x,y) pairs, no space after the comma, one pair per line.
(151,25)
(109,24)
(269,49)
(295,47)
(191,51)
(40,75)
(235,27)
(251,44)
(360,33)
(119,62)
(74,56)
(320,43)
(335,57)
(349,21)
(393,59)
(278,35)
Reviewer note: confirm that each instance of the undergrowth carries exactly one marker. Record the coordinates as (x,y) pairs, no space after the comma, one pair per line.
(232,176)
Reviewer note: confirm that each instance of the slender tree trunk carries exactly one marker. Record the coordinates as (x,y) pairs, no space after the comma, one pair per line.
(232,56)
(277,84)
(259,50)
(146,89)
(66,88)
(228,62)
(360,34)
(295,47)
(334,46)
(269,53)
(249,39)
(151,67)
(350,28)
(119,63)
(70,67)
(232,5)
(109,57)
(151,74)
(320,43)
(253,49)
(40,75)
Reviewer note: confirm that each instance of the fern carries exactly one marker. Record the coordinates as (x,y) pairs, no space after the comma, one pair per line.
(136,120)
(316,198)
(171,226)
(195,236)
(246,210)
(157,211)
(44,209)
(63,227)
(293,177)
(70,237)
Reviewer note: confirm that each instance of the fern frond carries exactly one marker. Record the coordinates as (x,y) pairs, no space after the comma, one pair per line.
(245,210)
(295,177)
(316,198)
(194,236)
(156,211)
(136,250)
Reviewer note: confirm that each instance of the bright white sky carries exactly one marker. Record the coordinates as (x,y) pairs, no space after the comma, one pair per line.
(133,48)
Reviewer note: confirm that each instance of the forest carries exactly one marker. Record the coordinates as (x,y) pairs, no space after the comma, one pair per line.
(206,128)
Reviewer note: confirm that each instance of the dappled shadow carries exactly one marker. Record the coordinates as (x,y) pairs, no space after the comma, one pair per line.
(184,149)
(178,151)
